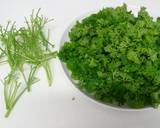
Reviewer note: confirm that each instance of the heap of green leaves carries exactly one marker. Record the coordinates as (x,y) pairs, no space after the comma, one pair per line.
(115,56)
(25,47)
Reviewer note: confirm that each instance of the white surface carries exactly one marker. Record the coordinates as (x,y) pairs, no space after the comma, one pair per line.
(52,107)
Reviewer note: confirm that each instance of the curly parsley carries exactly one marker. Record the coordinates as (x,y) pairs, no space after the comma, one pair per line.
(116,57)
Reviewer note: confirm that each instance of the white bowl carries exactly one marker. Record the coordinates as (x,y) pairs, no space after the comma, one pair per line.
(65,38)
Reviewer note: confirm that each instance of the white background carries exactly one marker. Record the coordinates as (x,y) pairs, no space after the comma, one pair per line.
(52,107)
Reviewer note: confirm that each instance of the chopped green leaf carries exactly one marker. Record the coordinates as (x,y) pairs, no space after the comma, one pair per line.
(116,56)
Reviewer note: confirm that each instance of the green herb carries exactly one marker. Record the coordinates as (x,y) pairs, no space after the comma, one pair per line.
(116,56)
(24,47)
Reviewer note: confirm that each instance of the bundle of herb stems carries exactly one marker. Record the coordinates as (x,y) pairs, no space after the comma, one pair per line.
(24,47)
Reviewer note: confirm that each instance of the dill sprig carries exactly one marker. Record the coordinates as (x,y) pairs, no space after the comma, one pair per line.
(24,46)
